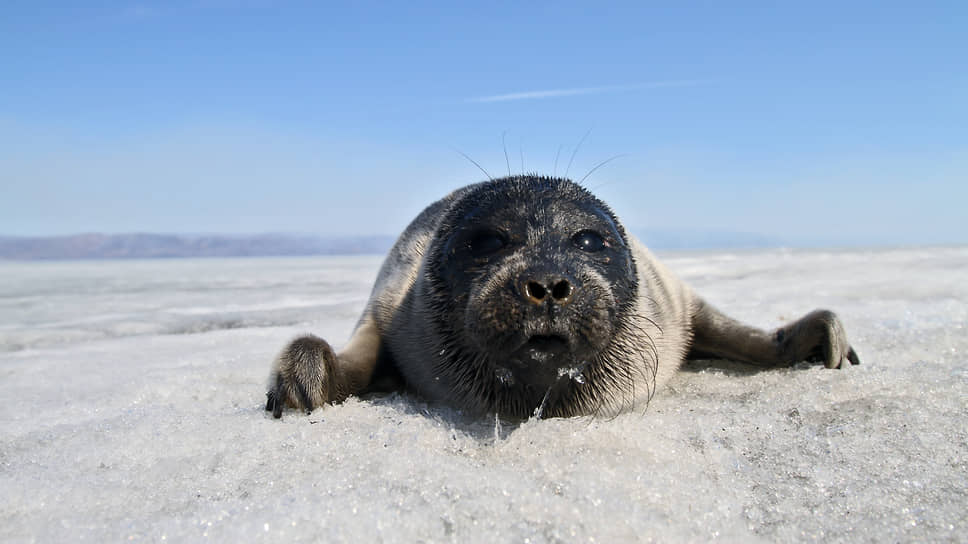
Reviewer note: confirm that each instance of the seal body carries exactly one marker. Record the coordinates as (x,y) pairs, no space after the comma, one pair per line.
(525,295)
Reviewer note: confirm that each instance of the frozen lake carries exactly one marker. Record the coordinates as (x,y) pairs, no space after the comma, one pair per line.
(134,394)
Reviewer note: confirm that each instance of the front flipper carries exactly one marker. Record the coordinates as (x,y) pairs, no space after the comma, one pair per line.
(304,376)
(818,336)
(308,373)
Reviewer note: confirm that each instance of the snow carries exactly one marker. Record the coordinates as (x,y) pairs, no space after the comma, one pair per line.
(134,392)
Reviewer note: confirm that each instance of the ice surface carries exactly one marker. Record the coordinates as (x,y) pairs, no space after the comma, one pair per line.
(133,398)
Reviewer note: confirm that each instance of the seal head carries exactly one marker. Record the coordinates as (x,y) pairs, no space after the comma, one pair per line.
(529,280)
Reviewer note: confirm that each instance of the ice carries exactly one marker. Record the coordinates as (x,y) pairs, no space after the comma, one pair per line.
(133,397)
(574,373)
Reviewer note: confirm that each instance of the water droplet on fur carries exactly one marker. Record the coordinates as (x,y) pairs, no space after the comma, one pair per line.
(574,373)
(540,356)
(504,376)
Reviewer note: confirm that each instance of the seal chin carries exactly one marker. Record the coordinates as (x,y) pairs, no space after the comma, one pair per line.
(542,360)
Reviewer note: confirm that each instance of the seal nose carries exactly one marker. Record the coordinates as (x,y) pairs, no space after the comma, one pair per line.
(558,291)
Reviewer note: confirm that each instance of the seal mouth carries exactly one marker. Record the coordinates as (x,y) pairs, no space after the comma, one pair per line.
(549,343)
(537,360)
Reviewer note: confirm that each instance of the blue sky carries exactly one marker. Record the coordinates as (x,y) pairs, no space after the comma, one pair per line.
(812,122)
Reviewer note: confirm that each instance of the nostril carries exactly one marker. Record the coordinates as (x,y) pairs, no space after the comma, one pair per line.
(561,290)
(535,290)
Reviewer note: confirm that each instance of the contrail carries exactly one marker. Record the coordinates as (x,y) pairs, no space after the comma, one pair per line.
(551,93)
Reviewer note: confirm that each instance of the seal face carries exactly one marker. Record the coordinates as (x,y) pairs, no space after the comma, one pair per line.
(528,278)
(525,296)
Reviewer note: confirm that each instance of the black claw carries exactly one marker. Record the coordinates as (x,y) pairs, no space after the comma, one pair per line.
(277,398)
(852,357)
(270,401)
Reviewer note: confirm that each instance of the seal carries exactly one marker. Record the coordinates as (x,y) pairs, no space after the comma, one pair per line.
(525,296)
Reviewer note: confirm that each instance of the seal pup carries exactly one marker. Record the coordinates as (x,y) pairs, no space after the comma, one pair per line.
(525,296)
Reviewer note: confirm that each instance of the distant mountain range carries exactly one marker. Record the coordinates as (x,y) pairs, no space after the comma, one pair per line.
(160,246)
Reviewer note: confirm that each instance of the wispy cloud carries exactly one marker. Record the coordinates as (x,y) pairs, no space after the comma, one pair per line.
(554,93)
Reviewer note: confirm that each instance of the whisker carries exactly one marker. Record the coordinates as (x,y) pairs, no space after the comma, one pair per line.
(575,152)
(649,320)
(554,173)
(479,167)
(505,146)
(599,165)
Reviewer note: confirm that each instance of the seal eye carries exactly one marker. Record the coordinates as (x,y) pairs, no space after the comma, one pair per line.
(485,242)
(588,240)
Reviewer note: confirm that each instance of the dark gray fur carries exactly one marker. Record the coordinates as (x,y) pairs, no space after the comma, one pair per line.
(453,326)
